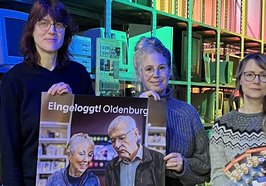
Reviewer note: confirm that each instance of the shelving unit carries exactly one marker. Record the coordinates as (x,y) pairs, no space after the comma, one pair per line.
(156,138)
(51,151)
(224,27)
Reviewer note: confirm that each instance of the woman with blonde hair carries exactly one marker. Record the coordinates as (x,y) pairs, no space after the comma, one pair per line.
(187,144)
(79,152)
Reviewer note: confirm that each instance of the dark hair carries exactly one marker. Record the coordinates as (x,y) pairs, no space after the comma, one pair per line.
(149,45)
(57,11)
(260,60)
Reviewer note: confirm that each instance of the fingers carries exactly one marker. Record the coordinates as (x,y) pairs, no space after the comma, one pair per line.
(60,88)
(174,161)
(149,93)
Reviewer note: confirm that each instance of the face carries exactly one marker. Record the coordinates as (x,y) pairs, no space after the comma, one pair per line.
(124,141)
(47,41)
(254,89)
(79,161)
(154,73)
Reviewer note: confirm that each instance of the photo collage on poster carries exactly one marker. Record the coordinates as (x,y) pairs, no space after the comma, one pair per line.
(68,114)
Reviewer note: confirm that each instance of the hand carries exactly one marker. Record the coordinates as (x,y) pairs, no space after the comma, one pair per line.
(174,161)
(59,88)
(149,93)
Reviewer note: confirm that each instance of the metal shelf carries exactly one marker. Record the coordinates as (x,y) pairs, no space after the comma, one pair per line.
(219,29)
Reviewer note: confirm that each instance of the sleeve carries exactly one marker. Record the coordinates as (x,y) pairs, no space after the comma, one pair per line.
(10,133)
(196,168)
(89,87)
(161,177)
(50,181)
(95,181)
(218,160)
(112,173)
(56,179)
(87,82)
(108,176)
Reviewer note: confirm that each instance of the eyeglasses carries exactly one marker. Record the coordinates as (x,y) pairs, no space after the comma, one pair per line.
(149,70)
(45,25)
(250,76)
(121,137)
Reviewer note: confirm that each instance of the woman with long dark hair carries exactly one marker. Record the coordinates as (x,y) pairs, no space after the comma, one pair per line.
(46,67)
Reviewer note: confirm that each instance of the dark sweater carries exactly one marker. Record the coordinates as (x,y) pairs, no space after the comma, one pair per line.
(21,89)
(187,136)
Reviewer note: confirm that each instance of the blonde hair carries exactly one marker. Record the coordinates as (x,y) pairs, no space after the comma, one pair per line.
(149,45)
(77,139)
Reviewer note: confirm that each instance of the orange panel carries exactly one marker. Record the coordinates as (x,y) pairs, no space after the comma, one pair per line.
(253,18)
(210,12)
(197,6)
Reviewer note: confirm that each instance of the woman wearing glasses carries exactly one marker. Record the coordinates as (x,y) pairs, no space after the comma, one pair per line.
(244,128)
(46,67)
(79,152)
(187,152)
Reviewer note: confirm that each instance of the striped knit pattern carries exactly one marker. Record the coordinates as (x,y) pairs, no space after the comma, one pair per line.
(232,134)
(187,136)
(183,120)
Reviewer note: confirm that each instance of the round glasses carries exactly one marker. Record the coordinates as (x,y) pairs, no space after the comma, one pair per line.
(250,76)
(45,25)
(149,70)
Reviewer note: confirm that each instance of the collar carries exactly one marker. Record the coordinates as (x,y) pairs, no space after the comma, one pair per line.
(168,93)
(139,155)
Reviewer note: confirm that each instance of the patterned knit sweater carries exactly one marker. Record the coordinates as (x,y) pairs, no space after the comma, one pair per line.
(187,136)
(232,134)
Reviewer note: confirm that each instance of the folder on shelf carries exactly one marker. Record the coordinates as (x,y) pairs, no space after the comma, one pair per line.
(226,106)
(196,57)
(211,111)
(206,64)
(225,72)
(199,101)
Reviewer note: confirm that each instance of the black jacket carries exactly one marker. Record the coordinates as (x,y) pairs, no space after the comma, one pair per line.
(20,96)
(150,171)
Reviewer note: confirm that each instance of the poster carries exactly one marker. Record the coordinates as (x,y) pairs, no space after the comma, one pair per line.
(64,115)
